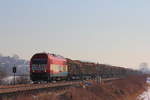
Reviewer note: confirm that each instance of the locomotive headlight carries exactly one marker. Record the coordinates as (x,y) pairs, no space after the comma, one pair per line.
(45,69)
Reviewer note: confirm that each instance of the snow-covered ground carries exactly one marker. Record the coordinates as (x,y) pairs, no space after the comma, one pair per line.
(18,79)
(145,95)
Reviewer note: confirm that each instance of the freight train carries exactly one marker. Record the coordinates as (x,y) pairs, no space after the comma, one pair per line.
(50,67)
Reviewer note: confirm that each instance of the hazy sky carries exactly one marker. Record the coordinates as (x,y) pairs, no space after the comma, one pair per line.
(115,32)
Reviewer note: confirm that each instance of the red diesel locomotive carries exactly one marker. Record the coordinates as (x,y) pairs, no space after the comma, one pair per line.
(47,67)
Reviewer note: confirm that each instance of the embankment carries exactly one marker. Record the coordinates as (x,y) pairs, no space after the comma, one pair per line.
(122,89)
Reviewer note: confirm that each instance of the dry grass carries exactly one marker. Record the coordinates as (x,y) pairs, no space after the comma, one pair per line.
(123,89)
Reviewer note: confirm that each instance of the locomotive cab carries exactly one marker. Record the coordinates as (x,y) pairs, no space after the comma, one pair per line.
(38,67)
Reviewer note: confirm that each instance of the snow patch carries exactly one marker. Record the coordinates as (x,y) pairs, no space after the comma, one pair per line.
(145,95)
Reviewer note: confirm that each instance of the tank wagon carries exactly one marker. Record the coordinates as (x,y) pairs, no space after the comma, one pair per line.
(48,67)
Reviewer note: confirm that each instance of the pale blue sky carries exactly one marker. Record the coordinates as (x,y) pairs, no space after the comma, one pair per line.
(115,32)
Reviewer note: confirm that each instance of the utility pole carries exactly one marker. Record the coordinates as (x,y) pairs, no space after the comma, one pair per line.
(99,78)
(14,71)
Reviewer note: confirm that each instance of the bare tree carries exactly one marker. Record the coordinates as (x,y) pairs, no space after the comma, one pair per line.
(144,67)
(1,55)
(15,56)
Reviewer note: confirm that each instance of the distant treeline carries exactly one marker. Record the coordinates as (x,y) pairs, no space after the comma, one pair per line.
(7,62)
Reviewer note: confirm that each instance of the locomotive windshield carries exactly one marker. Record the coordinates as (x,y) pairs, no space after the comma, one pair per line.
(39,61)
(39,64)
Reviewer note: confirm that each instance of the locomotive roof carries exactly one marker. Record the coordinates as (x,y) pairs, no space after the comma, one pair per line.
(54,55)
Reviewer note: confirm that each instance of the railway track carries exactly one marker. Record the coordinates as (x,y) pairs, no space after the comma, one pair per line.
(4,90)
(34,87)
